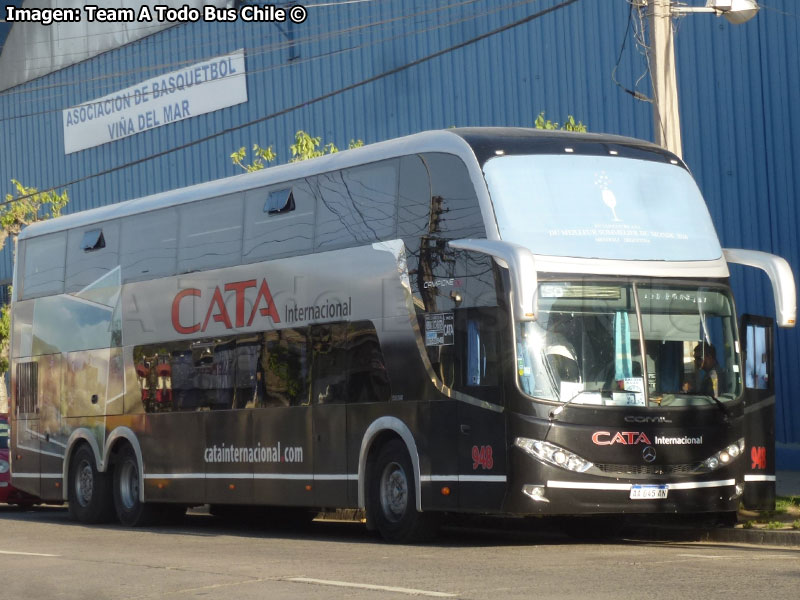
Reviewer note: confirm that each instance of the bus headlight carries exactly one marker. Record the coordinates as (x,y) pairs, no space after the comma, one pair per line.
(3,466)
(552,454)
(723,457)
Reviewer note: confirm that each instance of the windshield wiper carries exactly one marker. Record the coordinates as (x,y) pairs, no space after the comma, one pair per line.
(603,394)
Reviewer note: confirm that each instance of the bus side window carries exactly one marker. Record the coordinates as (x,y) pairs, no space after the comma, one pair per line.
(149,245)
(355,206)
(482,360)
(88,265)
(249,376)
(210,234)
(286,367)
(460,214)
(413,215)
(329,363)
(279,234)
(43,270)
(373,192)
(368,379)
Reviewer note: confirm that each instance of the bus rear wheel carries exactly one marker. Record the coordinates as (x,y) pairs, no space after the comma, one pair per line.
(391,503)
(89,493)
(131,511)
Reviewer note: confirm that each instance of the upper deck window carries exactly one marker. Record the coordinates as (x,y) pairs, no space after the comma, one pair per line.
(604,207)
(43,271)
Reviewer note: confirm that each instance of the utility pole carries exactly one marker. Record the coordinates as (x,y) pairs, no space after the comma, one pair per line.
(666,116)
(661,55)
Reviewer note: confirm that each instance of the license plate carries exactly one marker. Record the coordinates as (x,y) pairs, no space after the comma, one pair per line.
(648,492)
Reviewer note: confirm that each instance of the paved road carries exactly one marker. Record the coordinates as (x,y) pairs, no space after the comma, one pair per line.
(45,556)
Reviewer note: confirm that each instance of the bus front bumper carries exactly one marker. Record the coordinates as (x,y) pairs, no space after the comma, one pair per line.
(571,497)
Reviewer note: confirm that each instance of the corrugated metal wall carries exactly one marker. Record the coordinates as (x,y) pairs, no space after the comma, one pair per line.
(738,87)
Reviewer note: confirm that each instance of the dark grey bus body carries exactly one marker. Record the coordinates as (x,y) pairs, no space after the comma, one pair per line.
(262,340)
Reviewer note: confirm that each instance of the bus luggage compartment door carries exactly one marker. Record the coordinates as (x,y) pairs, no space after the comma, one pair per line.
(759,407)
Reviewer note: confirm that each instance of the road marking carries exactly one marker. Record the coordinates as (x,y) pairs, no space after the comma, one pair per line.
(367,586)
(28,554)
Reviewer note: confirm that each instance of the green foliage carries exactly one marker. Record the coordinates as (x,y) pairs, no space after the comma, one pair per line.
(27,206)
(796,524)
(570,125)
(774,525)
(23,207)
(261,155)
(305,146)
(5,335)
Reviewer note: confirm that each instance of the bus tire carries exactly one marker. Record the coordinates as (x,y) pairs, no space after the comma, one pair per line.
(131,511)
(391,504)
(89,491)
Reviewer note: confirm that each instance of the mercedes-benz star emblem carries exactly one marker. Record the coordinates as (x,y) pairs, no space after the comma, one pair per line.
(649,453)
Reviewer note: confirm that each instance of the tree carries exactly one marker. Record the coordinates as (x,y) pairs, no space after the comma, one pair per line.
(569,125)
(305,146)
(27,205)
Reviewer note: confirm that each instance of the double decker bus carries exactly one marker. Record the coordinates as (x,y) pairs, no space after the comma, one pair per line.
(492,321)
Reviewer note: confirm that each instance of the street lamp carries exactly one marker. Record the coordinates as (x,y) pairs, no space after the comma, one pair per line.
(736,11)
(666,118)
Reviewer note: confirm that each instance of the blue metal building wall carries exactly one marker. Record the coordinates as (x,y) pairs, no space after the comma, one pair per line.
(738,86)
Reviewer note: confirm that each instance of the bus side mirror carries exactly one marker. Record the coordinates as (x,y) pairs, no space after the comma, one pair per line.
(779,273)
(522,271)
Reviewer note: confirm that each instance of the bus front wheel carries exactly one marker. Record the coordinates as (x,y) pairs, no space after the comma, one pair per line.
(131,511)
(392,497)
(89,493)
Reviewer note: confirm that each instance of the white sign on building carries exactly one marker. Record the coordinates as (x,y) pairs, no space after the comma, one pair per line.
(194,90)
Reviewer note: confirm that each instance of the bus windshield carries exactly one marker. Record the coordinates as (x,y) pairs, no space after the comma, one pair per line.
(631,344)
(606,207)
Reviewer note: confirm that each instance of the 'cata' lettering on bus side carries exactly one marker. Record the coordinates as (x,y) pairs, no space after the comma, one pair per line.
(217,310)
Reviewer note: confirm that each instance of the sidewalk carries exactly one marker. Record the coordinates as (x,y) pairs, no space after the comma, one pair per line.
(787,484)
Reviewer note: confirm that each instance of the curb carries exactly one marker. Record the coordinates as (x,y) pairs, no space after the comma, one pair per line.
(762,537)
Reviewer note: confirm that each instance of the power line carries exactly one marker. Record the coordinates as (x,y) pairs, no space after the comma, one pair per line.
(363,82)
(297,62)
(256,50)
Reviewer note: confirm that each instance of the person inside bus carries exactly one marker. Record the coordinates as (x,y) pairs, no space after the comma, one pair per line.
(709,378)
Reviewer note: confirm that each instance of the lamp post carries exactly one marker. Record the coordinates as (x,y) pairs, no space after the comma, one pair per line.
(666,116)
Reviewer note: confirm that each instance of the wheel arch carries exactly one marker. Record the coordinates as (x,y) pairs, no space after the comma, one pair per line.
(374,432)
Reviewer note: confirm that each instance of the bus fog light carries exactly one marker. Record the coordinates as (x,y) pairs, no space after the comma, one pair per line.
(535,492)
(739,490)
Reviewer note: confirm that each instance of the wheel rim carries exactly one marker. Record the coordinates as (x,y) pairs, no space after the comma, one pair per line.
(394,492)
(129,485)
(84,483)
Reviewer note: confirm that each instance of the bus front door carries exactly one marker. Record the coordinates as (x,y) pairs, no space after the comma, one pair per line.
(759,399)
